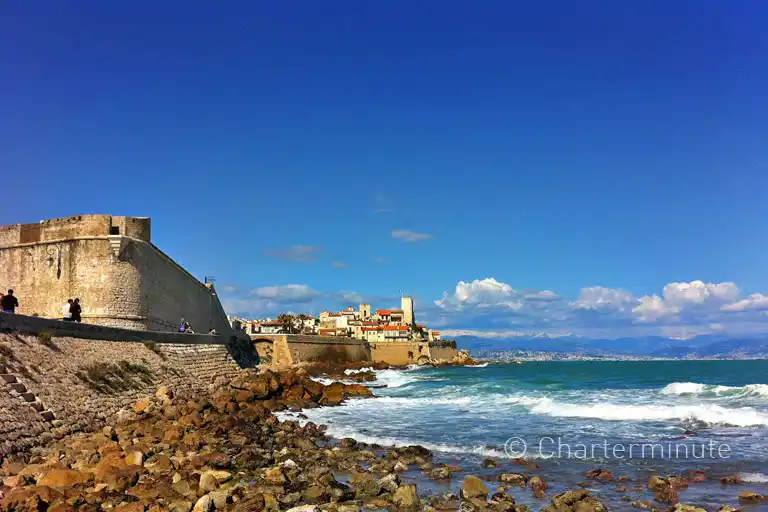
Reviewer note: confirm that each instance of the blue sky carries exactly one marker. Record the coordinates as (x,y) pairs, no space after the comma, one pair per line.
(353,149)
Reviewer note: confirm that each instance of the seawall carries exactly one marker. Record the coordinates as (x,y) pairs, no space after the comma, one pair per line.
(284,350)
(57,378)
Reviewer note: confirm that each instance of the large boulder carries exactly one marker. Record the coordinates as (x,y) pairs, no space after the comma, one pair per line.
(575,501)
(473,487)
(406,498)
(61,478)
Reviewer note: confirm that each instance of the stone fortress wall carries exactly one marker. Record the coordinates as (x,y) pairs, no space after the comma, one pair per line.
(108,262)
(284,350)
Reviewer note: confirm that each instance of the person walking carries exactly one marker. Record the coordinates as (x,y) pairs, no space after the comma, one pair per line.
(66,310)
(9,303)
(76,309)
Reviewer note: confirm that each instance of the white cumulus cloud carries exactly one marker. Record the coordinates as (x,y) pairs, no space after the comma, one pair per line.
(698,292)
(756,301)
(598,297)
(652,308)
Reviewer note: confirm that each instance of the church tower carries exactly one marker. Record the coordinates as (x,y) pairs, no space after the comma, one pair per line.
(409,317)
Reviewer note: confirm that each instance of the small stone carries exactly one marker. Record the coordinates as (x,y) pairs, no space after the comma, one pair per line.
(208,482)
(204,504)
(135,458)
(141,405)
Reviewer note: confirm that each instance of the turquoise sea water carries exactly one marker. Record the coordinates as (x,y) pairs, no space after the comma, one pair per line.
(632,418)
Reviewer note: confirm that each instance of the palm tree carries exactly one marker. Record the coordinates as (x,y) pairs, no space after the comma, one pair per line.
(287,323)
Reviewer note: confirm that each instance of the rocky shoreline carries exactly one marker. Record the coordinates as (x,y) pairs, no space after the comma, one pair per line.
(228,451)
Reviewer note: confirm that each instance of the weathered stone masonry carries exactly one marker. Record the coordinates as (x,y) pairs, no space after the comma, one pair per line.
(55,373)
(108,262)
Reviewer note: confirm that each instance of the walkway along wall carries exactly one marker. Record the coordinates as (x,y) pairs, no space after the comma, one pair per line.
(108,262)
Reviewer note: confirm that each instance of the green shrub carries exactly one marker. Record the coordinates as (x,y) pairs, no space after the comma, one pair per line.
(110,377)
(46,338)
(6,352)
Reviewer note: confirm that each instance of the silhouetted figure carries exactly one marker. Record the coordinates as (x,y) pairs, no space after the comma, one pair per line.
(66,310)
(9,303)
(76,310)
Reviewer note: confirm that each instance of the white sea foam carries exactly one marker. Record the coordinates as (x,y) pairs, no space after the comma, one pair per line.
(754,478)
(694,388)
(483,365)
(708,413)
(361,370)
(395,378)
(384,378)
(340,432)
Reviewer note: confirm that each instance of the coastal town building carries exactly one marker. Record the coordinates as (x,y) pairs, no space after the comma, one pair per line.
(363,323)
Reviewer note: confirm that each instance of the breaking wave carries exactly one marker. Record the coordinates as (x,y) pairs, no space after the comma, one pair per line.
(753,478)
(340,432)
(694,388)
(710,414)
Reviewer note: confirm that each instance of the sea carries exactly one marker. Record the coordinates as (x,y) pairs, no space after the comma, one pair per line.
(632,418)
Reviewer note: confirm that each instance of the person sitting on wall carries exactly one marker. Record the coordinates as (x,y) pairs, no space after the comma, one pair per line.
(182,325)
(213,333)
(66,310)
(76,309)
(9,303)
(188,328)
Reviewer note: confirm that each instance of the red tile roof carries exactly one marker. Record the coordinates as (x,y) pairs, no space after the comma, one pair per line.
(383,312)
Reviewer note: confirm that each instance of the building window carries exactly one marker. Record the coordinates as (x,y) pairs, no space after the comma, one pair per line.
(114,230)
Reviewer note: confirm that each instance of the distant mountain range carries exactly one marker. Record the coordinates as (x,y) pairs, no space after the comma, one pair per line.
(654,346)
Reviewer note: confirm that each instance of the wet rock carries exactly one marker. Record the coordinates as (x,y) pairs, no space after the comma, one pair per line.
(663,489)
(643,505)
(441,473)
(728,508)
(697,476)
(406,498)
(600,474)
(445,502)
(389,483)
(575,501)
(473,487)
(731,480)
(747,497)
(489,463)
(539,486)
(400,467)
(517,479)
(681,507)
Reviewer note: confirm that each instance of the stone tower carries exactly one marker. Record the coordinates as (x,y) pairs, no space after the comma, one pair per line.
(406,304)
(365,311)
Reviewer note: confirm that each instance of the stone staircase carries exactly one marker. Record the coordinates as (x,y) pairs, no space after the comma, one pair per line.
(16,388)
